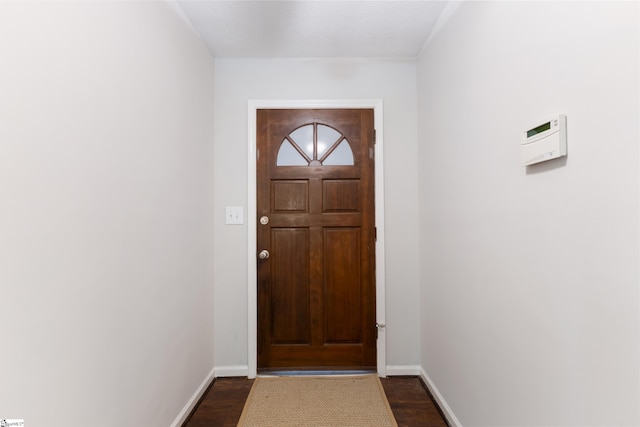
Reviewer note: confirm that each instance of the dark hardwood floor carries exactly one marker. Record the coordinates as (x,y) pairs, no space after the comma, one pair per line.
(222,404)
(411,404)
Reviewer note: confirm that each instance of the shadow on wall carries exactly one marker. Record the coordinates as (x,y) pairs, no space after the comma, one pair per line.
(546,166)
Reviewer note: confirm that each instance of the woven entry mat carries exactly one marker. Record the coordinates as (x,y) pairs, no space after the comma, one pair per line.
(344,401)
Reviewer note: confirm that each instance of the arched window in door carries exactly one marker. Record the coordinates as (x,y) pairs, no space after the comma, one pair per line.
(315,144)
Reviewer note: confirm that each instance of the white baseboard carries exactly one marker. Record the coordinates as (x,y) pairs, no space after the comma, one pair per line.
(182,416)
(444,407)
(232,371)
(399,370)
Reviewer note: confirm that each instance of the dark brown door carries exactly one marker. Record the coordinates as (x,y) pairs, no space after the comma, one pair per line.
(315,204)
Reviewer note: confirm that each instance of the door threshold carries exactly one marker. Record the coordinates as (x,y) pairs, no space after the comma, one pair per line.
(286,372)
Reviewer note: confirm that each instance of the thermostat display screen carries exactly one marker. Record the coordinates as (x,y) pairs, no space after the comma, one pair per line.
(539,129)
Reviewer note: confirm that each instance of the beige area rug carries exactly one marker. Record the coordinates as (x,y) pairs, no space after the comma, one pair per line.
(342,401)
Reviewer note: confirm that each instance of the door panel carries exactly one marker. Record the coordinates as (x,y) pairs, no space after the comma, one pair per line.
(342,293)
(290,196)
(290,286)
(316,290)
(340,195)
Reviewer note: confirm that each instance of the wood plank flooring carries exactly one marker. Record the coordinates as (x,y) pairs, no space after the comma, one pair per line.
(222,404)
(412,406)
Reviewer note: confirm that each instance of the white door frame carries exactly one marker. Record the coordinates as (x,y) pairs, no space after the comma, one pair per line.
(251,218)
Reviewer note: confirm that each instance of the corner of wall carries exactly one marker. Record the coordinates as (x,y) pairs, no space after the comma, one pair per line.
(448,11)
(439,399)
(194,399)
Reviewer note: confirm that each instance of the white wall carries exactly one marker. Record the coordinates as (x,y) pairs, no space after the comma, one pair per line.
(529,276)
(105,213)
(393,81)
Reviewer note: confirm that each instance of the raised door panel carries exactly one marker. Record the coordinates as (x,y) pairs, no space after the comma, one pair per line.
(290,286)
(342,286)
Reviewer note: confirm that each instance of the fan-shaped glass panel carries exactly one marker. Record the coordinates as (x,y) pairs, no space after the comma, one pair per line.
(289,156)
(326,138)
(342,155)
(315,144)
(303,136)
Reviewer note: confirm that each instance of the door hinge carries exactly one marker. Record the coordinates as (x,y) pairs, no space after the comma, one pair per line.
(374,136)
(375,234)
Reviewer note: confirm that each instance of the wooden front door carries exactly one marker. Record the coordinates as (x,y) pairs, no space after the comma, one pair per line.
(315,205)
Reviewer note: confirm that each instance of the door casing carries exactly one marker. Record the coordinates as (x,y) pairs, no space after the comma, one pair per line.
(251,219)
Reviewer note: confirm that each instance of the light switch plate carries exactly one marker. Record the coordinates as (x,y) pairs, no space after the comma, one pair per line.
(234,215)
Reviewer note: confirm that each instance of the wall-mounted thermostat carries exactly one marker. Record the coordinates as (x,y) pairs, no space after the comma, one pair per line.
(545,141)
